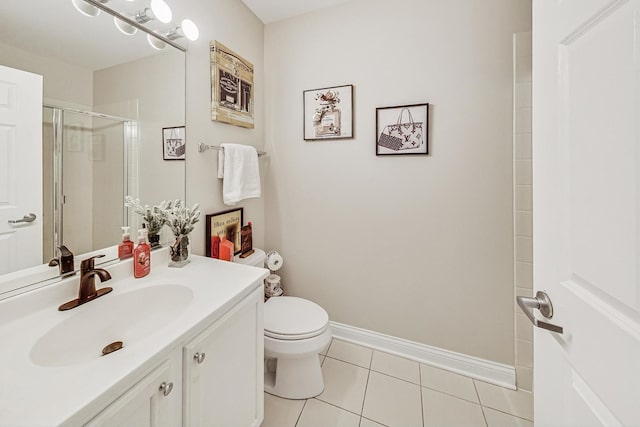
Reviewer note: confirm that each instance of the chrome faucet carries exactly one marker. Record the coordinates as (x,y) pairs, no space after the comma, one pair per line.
(88,290)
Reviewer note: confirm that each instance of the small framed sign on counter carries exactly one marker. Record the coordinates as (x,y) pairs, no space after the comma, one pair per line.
(227,224)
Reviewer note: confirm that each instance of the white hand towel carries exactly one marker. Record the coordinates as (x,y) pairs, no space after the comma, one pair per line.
(241,173)
(221,164)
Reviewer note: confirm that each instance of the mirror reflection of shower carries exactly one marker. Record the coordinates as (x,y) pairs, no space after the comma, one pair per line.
(89,165)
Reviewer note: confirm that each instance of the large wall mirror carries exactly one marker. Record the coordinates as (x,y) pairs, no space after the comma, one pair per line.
(106,98)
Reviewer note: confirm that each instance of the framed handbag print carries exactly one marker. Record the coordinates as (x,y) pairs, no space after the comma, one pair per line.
(402,129)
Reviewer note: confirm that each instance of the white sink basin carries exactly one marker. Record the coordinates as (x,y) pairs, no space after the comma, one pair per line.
(128,317)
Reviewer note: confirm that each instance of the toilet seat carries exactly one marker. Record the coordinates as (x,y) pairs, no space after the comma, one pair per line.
(296,337)
(292,318)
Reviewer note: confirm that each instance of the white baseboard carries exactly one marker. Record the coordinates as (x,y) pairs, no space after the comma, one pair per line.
(474,367)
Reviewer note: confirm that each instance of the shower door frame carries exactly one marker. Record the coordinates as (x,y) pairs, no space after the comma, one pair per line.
(129,130)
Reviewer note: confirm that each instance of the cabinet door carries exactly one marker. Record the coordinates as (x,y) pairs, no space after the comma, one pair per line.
(151,402)
(223,369)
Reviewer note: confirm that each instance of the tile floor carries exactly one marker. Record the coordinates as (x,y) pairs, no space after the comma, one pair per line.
(369,388)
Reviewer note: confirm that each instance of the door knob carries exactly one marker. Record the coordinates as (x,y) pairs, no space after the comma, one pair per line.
(540,302)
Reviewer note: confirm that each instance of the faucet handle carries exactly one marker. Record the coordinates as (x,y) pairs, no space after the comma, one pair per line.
(64,262)
(88,264)
(65,252)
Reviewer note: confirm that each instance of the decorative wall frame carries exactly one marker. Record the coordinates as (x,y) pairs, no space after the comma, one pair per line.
(174,143)
(227,223)
(402,129)
(328,113)
(231,87)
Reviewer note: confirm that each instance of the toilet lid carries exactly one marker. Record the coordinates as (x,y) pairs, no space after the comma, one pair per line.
(293,318)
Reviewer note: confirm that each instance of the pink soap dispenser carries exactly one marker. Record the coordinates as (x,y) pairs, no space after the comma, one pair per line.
(142,255)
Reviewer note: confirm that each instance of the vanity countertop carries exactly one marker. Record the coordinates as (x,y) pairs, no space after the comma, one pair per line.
(32,394)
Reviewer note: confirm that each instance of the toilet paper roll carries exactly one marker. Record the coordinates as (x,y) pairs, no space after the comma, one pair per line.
(274,261)
(273,280)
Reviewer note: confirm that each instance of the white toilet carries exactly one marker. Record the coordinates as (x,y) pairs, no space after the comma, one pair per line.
(295,331)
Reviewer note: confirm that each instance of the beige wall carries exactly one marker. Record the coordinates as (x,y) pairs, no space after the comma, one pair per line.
(523,205)
(62,81)
(415,247)
(230,22)
(157,83)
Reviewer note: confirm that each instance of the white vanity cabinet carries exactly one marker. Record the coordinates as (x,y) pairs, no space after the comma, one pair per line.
(216,381)
(152,402)
(223,369)
(192,355)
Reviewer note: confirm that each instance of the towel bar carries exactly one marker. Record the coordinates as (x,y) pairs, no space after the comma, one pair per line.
(204,147)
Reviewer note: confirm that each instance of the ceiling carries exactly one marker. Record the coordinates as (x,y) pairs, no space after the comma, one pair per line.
(53,28)
(275,10)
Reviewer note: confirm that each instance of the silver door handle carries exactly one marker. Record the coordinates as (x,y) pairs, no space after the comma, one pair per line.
(27,218)
(540,302)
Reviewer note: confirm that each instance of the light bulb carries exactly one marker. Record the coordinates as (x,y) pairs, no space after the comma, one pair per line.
(85,8)
(156,43)
(190,29)
(161,11)
(125,28)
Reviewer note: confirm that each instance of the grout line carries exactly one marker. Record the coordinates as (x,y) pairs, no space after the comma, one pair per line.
(335,406)
(373,421)
(393,376)
(365,392)
(300,414)
(486,423)
(507,413)
(475,387)
(344,361)
(451,395)
(328,347)
(421,403)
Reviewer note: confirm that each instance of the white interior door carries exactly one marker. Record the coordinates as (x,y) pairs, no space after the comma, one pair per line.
(20,169)
(586,170)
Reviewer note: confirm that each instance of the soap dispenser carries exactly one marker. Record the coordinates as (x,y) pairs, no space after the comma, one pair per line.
(125,248)
(142,255)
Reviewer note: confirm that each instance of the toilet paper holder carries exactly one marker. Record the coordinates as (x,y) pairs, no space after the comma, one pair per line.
(274,261)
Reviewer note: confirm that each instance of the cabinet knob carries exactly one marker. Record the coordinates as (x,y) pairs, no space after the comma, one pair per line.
(199,357)
(166,388)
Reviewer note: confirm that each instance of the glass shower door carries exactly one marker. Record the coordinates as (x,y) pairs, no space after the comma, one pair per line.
(86,161)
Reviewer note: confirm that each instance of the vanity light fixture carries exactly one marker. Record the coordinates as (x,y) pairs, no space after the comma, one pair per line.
(124,28)
(187,29)
(86,9)
(157,9)
(156,43)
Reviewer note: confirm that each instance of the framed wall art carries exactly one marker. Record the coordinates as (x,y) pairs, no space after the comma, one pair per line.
(403,129)
(174,144)
(231,87)
(328,113)
(226,223)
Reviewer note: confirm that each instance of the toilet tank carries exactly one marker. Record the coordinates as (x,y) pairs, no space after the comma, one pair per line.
(256,259)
